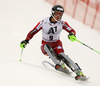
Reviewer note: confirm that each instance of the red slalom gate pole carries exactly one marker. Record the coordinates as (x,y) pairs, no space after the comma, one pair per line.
(95,15)
(86,11)
(75,8)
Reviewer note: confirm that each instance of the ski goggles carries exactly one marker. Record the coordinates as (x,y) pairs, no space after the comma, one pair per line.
(56,13)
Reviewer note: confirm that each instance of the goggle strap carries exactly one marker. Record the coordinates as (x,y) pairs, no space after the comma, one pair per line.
(54,18)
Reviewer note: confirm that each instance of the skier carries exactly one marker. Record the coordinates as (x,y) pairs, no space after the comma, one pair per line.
(51,45)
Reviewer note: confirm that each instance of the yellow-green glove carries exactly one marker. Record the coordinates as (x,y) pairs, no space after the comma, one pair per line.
(24,43)
(72,37)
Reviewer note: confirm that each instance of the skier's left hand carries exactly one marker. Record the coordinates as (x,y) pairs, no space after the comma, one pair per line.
(72,37)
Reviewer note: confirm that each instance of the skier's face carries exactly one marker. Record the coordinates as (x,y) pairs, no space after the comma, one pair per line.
(58,15)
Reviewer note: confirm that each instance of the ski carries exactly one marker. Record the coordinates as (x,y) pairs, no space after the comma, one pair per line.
(57,67)
(61,69)
(46,62)
(81,78)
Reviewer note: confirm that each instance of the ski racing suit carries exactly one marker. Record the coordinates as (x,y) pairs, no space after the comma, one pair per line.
(51,33)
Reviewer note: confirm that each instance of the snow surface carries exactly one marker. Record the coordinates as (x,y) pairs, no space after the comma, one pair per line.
(17,18)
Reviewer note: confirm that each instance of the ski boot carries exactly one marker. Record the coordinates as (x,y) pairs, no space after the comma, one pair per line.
(61,67)
(79,74)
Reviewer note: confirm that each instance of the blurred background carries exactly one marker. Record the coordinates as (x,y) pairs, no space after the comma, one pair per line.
(18,17)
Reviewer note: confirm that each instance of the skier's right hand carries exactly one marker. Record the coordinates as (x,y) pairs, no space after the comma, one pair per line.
(24,43)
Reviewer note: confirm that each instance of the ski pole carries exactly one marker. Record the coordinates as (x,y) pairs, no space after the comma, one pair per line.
(88,46)
(21,54)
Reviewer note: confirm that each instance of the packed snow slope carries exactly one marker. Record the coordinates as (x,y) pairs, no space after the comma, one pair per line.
(17,18)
